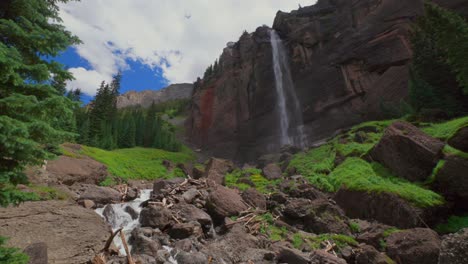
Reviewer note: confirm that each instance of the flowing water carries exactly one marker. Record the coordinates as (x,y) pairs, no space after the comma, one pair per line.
(119,218)
(288,106)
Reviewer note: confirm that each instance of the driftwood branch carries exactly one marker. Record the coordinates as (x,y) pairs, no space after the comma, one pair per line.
(124,242)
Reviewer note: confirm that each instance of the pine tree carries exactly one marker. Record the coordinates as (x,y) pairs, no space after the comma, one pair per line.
(32,102)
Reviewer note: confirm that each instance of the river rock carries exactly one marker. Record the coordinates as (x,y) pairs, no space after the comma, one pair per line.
(454,248)
(98,194)
(407,151)
(72,233)
(414,246)
(254,198)
(163,184)
(190,213)
(185,230)
(191,258)
(144,244)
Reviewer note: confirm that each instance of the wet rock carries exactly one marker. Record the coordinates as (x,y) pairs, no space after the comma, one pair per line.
(317,216)
(414,246)
(144,244)
(367,254)
(272,171)
(292,256)
(131,212)
(109,214)
(37,253)
(131,195)
(407,151)
(191,258)
(99,195)
(452,181)
(185,230)
(162,184)
(224,202)
(72,233)
(155,217)
(460,139)
(217,169)
(454,249)
(255,199)
(321,257)
(384,207)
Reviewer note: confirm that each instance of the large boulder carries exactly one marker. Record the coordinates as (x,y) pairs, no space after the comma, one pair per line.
(143,243)
(156,217)
(272,171)
(452,181)
(80,169)
(72,233)
(460,139)
(224,202)
(292,256)
(407,151)
(217,169)
(189,213)
(414,246)
(384,207)
(316,216)
(98,194)
(254,198)
(454,248)
(367,254)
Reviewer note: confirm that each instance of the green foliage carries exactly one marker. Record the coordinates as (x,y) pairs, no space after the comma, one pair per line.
(11,255)
(108,181)
(172,108)
(341,241)
(138,163)
(357,174)
(47,193)
(254,175)
(390,231)
(448,150)
(447,129)
(36,116)
(435,171)
(355,228)
(454,224)
(440,69)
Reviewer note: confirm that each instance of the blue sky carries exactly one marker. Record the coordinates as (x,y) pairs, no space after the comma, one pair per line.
(156,42)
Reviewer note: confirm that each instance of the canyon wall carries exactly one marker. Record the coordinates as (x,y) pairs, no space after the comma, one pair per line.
(349,61)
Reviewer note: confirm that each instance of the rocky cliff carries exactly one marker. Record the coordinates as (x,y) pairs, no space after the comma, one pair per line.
(348,59)
(146,98)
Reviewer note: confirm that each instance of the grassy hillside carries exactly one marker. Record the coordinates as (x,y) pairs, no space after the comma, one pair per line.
(139,163)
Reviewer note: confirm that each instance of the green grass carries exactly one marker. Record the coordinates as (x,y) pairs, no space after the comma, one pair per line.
(261,183)
(43,193)
(139,163)
(357,174)
(341,241)
(355,228)
(435,171)
(390,231)
(453,224)
(447,129)
(448,150)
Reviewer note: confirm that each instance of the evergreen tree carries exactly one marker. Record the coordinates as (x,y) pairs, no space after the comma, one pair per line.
(35,112)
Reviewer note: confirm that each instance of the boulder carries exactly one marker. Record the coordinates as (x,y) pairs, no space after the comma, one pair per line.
(224,202)
(190,213)
(317,216)
(452,181)
(98,194)
(132,212)
(414,246)
(407,151)
(321,257)
(185,230)
(190,195)
(70,170)
(88,204)
(373,234)
(217,169)
(272,171)
(191,258)
(254,198)
(367,254)
(72,233)
(143,244)
(156,217)
(292,256)
(454,249)
(37,253)
(384,207)
(460,139)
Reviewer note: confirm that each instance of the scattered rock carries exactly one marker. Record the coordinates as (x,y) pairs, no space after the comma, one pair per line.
(72,233)
(321,257)
(190,213)
(460,139)
(452,181)
(185,230)
(292,256)
(162,184)
(414,246)
(191,258)
(217,169)
(142,244)
(156,217)
(454,249)
(373,234)
(407,151)
(255,199)
(131,212)
(99,195)
(367,254)
(88,204)
(37,253)
(224,202)
(190,195)
(272,171)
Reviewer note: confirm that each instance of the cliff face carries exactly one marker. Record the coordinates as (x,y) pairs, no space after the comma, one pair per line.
(347,58)
(146,98)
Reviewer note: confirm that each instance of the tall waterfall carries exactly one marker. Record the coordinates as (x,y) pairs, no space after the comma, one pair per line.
(288,106)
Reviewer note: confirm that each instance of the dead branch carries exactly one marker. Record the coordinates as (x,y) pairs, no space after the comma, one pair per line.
(127,251)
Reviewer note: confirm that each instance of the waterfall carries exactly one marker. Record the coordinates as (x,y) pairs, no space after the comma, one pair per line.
(288,106)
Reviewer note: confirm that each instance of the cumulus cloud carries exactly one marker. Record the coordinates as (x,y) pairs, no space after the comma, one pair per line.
(181,37)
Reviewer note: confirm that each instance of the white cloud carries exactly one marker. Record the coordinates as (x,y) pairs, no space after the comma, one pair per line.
(87,80)
(160,34)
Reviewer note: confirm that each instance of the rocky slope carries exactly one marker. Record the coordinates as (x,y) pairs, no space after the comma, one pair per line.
(146,98)
(347,58)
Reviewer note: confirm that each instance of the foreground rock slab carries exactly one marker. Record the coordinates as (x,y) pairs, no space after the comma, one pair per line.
(414,246)
(72,233)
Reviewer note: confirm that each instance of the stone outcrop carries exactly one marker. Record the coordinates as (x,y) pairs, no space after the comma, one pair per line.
(71,233)
(414,246)
(460,139)
(146,98)
(347,59)
(407,151)
(452,181)
(454,249)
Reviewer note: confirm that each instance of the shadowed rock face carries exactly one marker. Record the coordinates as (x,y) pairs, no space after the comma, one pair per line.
(146,98)
(347,58)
